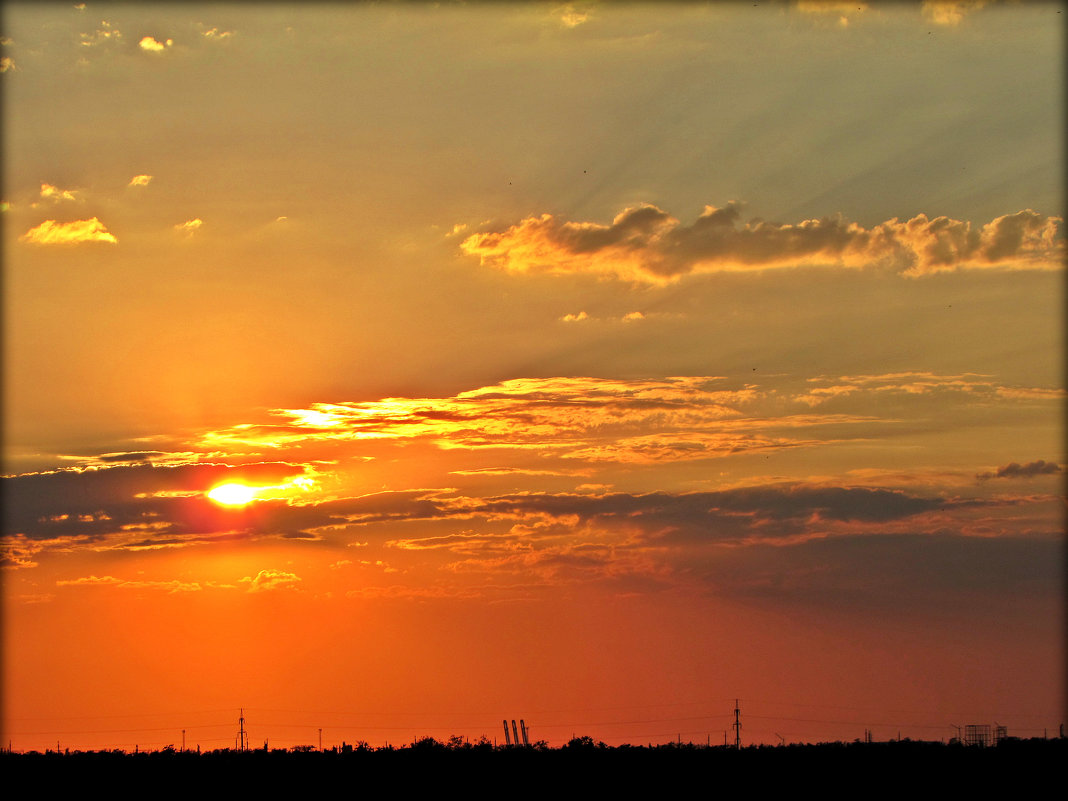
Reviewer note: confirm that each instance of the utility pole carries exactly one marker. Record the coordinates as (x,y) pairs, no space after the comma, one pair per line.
(320,739)
(737,726)
(183,739)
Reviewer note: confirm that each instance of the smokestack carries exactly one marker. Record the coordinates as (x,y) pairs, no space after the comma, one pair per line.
(507,738)
(515,733)
(523,728)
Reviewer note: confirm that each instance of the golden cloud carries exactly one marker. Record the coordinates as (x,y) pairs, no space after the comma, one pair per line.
(140,180)
(152,45)
(644,244)
(189,227)
(216,34)
(55,194)
(51,232)
(267,580)
(7,64)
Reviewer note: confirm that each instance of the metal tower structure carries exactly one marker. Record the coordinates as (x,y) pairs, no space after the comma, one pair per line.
(242,735)
(737,725)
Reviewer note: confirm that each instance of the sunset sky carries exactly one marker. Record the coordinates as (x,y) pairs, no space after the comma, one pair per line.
(591,364)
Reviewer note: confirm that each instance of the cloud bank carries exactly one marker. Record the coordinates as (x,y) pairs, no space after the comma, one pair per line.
(645,244)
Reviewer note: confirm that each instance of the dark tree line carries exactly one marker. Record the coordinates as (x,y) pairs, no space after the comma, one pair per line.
(581,765)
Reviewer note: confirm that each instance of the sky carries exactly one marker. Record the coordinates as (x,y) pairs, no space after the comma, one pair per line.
(394,369)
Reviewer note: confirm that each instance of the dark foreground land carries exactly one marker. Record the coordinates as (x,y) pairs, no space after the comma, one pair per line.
(1032,768)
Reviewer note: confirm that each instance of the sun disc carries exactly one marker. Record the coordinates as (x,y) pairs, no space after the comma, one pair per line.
(232,494)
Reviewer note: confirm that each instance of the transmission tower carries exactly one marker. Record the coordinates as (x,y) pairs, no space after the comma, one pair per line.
(242,735)
(737,725)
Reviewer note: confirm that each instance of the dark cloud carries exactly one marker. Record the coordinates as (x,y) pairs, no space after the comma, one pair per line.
(131,505)
(1015,470)
(897,573)
(132,456)
(733,510)
(95,502)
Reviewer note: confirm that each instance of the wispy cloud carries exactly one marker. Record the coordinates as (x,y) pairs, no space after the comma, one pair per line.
(173,586)
(570,17)
(51,232)
(214,34)
(140,180)
(949,12)
(645,244)
(55,194)
(189,227)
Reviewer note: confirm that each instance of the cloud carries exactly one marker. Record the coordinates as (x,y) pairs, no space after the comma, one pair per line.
(949,12)
(216,34)
(557,430)
(170,586)
(829,7)
(104,35)
(1029,470)
(902,574)
(7,64)
(129,500)
(570,17)
(140,180)
(844,11)
(17,551)
(516,471)
(624,421)
(644,244)
(267,580)
(575,318)
(152,45)
(51,232)
(189,227)
(550,414)
(55,194)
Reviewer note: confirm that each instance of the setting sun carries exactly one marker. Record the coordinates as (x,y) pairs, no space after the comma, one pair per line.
(232,494)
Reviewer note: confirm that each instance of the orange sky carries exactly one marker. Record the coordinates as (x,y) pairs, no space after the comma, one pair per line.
(578,366)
